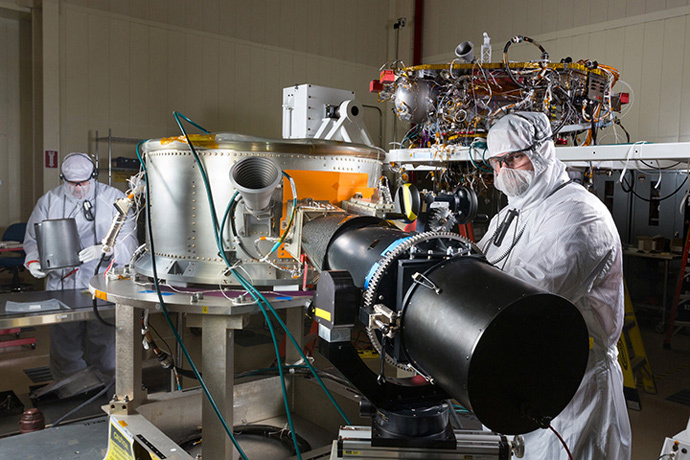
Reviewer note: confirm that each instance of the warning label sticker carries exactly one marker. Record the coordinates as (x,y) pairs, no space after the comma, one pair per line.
(119,443)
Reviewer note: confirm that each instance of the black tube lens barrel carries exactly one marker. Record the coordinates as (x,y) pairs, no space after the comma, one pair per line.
(512,353)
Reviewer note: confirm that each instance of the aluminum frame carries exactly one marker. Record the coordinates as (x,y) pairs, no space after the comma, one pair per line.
(600,156)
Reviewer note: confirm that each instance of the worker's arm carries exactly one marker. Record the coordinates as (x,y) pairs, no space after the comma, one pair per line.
(39,214)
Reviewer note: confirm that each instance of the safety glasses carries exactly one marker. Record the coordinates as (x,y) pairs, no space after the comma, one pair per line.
(512,160)
(80,183)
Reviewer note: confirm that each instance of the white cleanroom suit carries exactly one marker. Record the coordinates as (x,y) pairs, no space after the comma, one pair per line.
(77,345)
(564,240)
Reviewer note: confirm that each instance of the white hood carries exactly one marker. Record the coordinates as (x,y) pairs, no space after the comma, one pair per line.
(529,130)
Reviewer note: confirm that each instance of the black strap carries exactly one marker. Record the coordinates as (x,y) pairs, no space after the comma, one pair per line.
(512,213)
(503,227)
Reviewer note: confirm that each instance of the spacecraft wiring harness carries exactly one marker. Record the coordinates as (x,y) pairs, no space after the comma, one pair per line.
(456,103)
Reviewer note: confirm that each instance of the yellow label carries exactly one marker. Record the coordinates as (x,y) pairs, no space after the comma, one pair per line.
(199,140)
(122,423)
(591,343)
(100,295)
(323,314)
(204,309)
(352,452)
(368,354)
(119,444)
(407,200)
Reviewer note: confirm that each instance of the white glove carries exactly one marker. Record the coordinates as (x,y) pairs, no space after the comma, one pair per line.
(35,270)
(90,253)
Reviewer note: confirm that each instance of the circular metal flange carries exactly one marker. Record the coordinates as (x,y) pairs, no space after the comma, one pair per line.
(374,282)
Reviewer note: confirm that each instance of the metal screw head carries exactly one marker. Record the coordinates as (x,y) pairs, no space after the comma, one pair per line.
(197,296)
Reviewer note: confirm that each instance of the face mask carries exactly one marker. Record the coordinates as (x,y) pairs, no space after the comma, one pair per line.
(513,182)
(78,192)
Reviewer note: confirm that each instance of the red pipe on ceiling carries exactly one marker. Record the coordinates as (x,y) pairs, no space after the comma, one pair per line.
(418,32)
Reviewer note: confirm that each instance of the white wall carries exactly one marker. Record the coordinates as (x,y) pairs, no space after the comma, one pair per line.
(10,133)
(128,65)
(648,41)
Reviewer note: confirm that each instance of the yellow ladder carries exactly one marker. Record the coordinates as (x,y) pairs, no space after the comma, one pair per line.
(633,358)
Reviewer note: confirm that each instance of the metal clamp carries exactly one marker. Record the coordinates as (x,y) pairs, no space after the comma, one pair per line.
(426,282)
(385,320)
(120,405)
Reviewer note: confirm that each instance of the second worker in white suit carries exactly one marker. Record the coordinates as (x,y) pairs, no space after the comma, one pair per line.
(78,345)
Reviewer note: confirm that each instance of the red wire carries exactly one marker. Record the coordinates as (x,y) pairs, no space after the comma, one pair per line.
(69,274)
(109,267)
(565,446)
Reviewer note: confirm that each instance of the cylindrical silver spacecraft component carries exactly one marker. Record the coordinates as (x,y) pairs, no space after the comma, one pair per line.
(58,243)
(184,234)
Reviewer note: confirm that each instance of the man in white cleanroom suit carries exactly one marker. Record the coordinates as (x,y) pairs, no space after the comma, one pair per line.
(561,238)
(77,345)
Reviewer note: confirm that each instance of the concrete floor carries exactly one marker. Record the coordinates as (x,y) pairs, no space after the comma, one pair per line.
(658,418)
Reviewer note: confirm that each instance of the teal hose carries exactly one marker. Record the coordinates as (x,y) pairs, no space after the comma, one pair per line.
(247,285)
(258,297)
(178,114)
(299,349)
(261,301)
(250,289)
(479,167)
(174,330)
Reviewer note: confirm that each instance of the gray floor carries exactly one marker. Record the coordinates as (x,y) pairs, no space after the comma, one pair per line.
(87,440)
(659,417)
(76,441)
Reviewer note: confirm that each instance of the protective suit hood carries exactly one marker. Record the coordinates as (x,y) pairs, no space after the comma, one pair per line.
(531,132)
(77,167)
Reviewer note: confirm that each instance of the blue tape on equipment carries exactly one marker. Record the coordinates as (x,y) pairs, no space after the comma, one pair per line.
(150,291)
(375,267)
(372,270)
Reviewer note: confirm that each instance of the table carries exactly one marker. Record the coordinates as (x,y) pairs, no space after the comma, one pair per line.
(666,257)
(218,314)
(79,301)
(76,441)
(11,246)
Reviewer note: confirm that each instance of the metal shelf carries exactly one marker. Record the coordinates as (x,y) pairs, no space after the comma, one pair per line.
(615,156)
(110,139)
